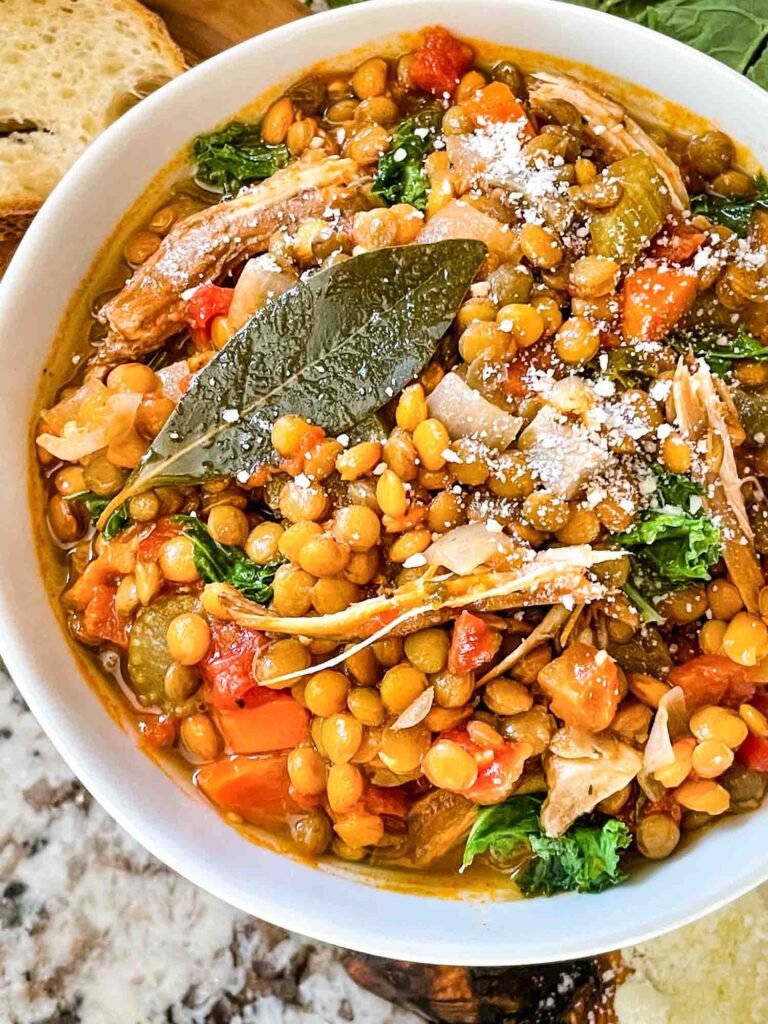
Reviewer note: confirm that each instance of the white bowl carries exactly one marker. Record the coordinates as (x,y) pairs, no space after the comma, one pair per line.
(184,831)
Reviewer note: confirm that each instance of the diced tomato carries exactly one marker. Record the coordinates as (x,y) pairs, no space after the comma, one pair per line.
(100,618)
(207,302)
(473,644)
(535,357)
(257,788)
(712,679)
(753,752)
(392,800)
(497,770)
(583,685)
(497,104)
(158,732)
(654,299)
(676,243)
(226,668)
(295,463)
(149,546)
(276,722)
(439,64)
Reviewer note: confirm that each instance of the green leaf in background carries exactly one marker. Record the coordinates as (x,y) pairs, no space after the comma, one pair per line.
(235,155)
(117,522)
(333,349)
(227,563)
(674,488)
(400,177)
(722,351)
(732,212)
(732,31)
(585,859)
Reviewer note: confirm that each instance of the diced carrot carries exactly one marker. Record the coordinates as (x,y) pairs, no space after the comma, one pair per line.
(653,300)
(583,686)
(281,723)
(257,788)
(497,104)
(712,679)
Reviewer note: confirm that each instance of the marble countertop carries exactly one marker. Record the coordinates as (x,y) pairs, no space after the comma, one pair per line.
(93,930)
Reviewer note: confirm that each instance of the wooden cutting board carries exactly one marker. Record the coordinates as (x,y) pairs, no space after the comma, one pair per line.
(203,28)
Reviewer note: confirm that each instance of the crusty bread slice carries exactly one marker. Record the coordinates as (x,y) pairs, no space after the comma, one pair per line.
(69,68)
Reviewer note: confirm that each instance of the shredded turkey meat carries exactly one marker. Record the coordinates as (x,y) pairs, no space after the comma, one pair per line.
(609,127)
(582,769)
(701,413)
(201,248)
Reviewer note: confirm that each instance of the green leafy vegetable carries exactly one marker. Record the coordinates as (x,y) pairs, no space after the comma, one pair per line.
(674,488)
(752,407)
(621,232)
(720,350)
(94,505)
(733,212)
(648,612)
(226,563)
(333,349)
(585,859)
(400,177)
(672,548)
(117,522)
(732,31)
(631,367)
(234,156)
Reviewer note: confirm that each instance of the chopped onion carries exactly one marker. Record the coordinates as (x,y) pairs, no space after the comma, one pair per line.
(174,379)
(262,279)
(416,711)
(669,723)
(458,219)
(465,413)
(75,444)
(465,548)
(63,412)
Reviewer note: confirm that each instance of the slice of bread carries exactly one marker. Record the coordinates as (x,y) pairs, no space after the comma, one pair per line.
(68,69)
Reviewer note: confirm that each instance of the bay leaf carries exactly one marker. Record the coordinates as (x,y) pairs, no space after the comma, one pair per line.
(333,349)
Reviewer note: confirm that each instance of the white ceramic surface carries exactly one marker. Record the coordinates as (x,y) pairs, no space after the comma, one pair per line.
(185,833)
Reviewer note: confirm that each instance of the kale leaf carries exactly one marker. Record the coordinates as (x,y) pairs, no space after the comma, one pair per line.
(235,155)
(721,351)
(648,612)
(94,506)
(227,563)
(674,488)
(117,522)
(401,177)
(672,548)
(585,859)
(733,212)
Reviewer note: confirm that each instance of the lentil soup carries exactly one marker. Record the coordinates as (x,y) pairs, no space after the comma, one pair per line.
(410,484)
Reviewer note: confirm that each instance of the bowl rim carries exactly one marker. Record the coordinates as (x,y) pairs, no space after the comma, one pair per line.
(438,930)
